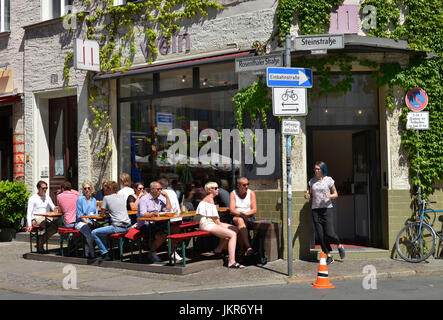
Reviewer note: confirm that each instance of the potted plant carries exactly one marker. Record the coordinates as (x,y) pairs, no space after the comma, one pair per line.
(13,201)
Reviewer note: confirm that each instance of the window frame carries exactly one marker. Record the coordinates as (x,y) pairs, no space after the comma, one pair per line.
(47,9)
(5,20)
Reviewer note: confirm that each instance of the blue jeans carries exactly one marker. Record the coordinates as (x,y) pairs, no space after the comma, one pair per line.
(100,236)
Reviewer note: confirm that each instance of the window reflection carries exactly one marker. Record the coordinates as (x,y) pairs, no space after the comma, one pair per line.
(356,107)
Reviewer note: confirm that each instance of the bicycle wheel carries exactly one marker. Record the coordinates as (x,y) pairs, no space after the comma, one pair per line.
(412,247)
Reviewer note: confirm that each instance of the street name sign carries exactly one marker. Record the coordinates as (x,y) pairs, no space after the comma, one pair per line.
(290,127)
(289,77)
(319,42)
(416,99)
(255,63)
(418,120)
(289,102)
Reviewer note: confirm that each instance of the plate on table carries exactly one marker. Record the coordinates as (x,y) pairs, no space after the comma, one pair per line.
(166,214)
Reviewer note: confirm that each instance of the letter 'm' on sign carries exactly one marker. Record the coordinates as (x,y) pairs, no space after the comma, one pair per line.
(87,55)
(344,20)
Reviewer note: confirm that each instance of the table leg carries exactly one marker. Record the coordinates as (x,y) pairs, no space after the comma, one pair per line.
(169,242)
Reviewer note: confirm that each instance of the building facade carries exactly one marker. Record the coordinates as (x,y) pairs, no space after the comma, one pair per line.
(91,126)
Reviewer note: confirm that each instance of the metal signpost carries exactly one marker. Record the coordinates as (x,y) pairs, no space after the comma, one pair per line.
(289,99)
(417,100)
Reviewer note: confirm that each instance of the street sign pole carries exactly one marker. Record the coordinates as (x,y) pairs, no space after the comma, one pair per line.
(288,166)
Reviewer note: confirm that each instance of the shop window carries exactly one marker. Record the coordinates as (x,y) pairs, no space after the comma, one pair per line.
(176,79)
(4,15)
(52,9)
(136,86)
(216,75)
(359,106)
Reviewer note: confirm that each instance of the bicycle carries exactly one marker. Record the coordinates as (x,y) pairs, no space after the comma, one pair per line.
(417,240)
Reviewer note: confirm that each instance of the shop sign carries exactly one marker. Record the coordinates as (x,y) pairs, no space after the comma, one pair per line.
(164,48)
(418,120)
(346,19)
(18,143)
(416,99)
(87,55)
(255,63)
(164,123)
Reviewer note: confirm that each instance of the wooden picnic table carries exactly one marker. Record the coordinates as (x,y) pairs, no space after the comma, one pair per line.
(48,215)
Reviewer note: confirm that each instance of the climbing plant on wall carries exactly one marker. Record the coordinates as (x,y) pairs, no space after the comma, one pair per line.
(115,28)
(421,24)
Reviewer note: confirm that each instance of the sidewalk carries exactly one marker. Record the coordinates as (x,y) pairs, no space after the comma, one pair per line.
(46,278)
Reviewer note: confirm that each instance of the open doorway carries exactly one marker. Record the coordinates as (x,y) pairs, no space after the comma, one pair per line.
(351,155)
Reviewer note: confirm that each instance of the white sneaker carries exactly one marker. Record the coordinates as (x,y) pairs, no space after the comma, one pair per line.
(177,257)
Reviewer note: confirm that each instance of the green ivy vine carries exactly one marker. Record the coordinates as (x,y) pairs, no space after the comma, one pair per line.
(422,27)
(115,28)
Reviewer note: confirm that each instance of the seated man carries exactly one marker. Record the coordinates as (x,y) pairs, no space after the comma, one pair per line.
(150,205)
(115,205)
(243,207)
(67,201)
(41,203)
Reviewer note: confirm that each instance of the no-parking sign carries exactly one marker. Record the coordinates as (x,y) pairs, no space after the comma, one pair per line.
(416,99)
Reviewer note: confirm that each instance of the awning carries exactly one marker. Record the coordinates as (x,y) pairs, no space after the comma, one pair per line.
(172,64)
(11,98)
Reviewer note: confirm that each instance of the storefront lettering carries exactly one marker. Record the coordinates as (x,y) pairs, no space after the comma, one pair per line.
(175,46)
(345,19)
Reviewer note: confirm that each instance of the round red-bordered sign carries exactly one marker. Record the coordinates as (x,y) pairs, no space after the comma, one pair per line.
(416,99)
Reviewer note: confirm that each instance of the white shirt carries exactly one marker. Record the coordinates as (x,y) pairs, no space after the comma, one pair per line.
(126,191)
(175,206)
(243,205)
(319,188)
(37,204)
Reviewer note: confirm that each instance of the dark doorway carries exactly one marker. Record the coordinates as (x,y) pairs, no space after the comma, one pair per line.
(63,158)
(352,157)
(6,150)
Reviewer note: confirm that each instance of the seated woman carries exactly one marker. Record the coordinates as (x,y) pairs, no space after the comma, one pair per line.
(86,205)
(210,222)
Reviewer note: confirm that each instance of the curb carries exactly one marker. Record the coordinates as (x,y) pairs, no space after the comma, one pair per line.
(381,275)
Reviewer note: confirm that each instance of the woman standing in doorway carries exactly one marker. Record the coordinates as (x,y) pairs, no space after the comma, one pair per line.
(321,191)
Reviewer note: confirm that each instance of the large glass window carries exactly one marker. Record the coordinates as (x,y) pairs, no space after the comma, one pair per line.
(146,117)
(359,106)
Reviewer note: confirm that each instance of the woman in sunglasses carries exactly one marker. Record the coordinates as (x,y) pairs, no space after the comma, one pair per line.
(86,205)
(210,222)
(134,199)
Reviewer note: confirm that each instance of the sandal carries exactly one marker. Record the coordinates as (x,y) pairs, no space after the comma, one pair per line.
(236,265)
(249,252)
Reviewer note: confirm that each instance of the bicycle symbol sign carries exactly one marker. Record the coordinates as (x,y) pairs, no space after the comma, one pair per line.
(289,101)
(416,99)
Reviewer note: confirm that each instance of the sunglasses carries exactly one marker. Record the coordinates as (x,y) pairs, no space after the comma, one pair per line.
(140,188)
(44,188)
(215,188)
(158,189)
(87,188)
(245,184)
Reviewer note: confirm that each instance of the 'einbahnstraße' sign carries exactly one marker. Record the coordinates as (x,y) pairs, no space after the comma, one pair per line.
(319,42)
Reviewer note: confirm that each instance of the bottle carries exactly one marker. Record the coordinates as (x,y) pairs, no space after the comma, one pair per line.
(183,208)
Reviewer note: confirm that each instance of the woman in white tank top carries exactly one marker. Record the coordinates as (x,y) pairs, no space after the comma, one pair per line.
(243,207)
(210,221)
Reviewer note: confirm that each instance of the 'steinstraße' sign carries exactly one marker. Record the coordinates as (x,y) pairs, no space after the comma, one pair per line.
(319,42)
(254,63)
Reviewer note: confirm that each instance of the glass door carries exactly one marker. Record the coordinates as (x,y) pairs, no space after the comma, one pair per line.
(62,143)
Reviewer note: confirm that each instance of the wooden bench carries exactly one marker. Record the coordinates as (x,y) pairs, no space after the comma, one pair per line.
(181,237)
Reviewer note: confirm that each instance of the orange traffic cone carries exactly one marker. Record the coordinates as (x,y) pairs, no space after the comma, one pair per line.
(322,276)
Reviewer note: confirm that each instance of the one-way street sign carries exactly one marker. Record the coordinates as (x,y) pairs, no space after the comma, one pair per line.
(289,77)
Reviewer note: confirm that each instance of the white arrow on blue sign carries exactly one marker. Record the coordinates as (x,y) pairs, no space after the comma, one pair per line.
(289,77)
